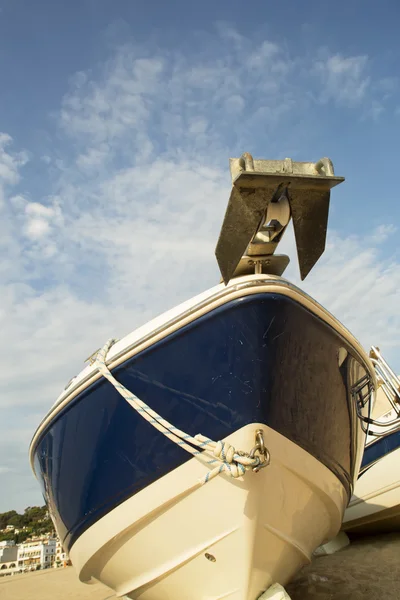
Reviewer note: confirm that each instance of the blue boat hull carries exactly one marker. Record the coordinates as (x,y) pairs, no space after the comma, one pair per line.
(263,358)
(379,449)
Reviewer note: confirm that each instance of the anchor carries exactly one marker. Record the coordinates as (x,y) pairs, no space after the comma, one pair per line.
(265,195)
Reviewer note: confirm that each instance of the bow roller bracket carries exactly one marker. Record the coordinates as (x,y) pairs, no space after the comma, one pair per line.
(265,195)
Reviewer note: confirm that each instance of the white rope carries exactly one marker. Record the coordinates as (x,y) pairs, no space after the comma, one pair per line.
(232,462)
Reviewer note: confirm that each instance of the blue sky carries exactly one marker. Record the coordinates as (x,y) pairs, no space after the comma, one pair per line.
(117,120)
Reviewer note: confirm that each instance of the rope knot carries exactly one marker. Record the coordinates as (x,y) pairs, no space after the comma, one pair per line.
(234,470)
(224,451)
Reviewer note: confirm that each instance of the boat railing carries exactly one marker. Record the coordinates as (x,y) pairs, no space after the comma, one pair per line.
(390,384)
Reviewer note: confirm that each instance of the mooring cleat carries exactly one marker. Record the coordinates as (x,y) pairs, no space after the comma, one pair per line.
(265,195)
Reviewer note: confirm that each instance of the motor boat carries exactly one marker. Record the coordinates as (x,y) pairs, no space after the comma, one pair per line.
(375,505)
(207,454)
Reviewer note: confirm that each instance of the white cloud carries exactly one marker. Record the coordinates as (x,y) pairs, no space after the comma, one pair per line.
(40,223)
(264,53)
(93,157)
(9,164)
(382,233)
(375,110)
(129,228)
(344,79)
(235,103)
(37,228)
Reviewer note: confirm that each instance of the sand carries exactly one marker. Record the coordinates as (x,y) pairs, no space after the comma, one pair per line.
(367,569)
(51,584)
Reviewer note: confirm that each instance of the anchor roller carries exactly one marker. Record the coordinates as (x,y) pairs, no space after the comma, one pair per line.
(265,195)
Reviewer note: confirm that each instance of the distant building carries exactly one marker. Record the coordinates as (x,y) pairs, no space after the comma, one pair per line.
(8,568)
(8,558)
(8,552)
(62,559)
(37,553)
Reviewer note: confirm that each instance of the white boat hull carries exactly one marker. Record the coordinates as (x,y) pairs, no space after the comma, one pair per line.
(227,539)
(375,505)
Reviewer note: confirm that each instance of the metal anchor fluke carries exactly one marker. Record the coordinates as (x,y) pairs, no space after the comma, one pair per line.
(265,195)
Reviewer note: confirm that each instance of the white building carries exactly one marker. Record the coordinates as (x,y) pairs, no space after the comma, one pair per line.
(6,543)
(8,568)
(61,559)
(8,552)
(39,553)
(8,558)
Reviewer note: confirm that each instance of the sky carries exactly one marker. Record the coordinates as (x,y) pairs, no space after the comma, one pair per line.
(117,122)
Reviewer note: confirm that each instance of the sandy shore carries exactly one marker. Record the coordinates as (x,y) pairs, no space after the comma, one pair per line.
(368,569)
(52,584)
